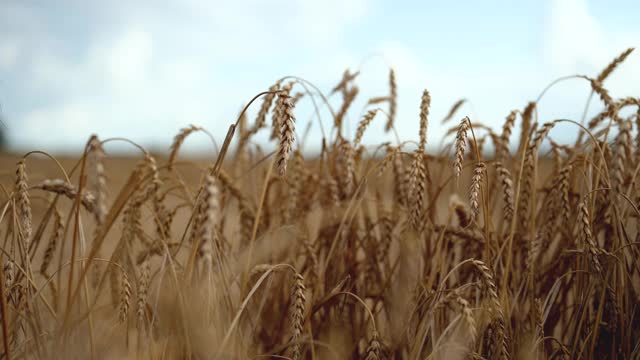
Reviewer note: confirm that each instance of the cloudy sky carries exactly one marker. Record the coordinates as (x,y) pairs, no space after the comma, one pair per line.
(143,70)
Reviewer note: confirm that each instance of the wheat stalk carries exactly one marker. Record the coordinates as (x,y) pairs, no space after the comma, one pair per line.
(347,77)
(99,179)
(389,158)
(495,308)
(349,97)
(563,186)
(452,111)
(528,173)
(287,121)
(401,190)
(295,187)
(503,149)
(525,129)
(297,315)
(9,275)
(56,237)
(373,349)
(620,155)
(461,144)
(277,117)
(597,87)
(417,180)
(261,119)
(604,74)
(393,100)
(143,288)
(461,210)
(362,126)
(346,162)
(507,192)
(474,193)
(178,140)
(23,203)
(424,118)
(332,190)
(467,315)
(61,187)
(125,297)
(208,217)
(587,236)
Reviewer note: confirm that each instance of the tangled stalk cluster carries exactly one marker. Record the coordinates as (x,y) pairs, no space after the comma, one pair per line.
(359,253)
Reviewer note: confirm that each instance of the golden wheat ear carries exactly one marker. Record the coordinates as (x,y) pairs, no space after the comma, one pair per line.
(461,144)
(23,204)
(287,129)
(297,315)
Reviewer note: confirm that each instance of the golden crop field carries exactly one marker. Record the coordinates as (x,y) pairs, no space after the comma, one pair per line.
(389,251)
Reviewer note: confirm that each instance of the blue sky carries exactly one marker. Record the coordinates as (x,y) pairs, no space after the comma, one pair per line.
(72,68)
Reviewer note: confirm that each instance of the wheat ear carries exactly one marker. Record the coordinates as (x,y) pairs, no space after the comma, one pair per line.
(143,288)
(613,65)
(452,111)
(56,237)
(425,104)
(460,145)
(287,130)
(474,193)
(297,315)
(99,179)
(125,297)
(417,180)
(362,126)
(22,202)
(373,349)
(393,100)
(178,140)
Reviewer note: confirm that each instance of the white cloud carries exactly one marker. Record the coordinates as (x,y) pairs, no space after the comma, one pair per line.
(70,119)
(576,41)
(579,41)
(574,36)
(322,22)
(8,55)
(128,60)
(144,71)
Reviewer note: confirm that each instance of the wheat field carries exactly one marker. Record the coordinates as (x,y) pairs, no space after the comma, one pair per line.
(495,246)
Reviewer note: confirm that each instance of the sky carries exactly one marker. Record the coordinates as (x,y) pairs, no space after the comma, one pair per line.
(144,69)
